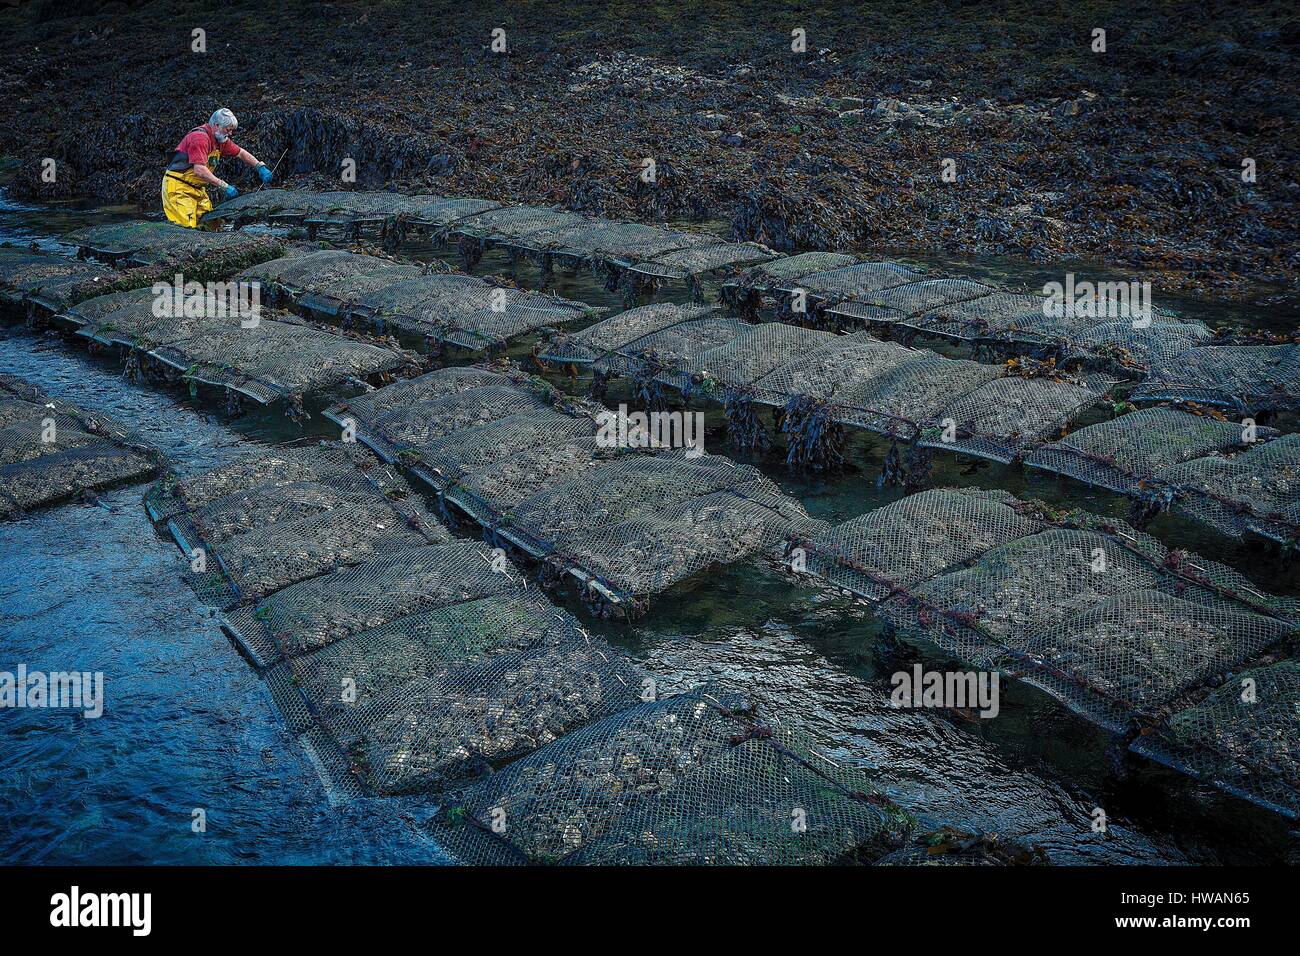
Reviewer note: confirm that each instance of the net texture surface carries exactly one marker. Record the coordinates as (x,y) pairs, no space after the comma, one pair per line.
(51,450)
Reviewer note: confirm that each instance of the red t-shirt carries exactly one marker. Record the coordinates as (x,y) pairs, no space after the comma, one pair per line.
(198,143)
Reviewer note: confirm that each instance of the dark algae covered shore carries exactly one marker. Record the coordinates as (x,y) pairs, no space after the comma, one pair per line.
(1166,146)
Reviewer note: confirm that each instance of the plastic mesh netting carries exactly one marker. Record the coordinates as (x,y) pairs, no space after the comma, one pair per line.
(1002,419)
(1257,490)
(1102,617)
(823,381)
(50,281)
(1097,623)
(330,280)
(851,294)
(267,355)
(628,521)
(745,292)
(1248,378)
(912,540)
(51,450)
(436,698)
(457,309)
(472,316)
(1125,346)
(1241,738)
(322,610)
(693,779)
(862,381)
(341,508)
(271,205)
(1128,454)
(165,243)
(620,332)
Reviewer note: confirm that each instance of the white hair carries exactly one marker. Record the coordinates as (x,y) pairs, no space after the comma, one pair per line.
(223,117)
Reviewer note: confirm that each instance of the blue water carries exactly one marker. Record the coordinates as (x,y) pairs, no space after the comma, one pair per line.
(187,724)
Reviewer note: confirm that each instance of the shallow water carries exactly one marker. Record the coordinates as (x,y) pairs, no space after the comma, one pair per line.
(90,587)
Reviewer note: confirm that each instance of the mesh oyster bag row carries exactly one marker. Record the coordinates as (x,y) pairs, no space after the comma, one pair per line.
(266,355)
(1238,480)
(433,670)
(405,660)
(547,476)
(649,252)
(51,450)
(439,308)
(1142,640)
(825,382)
(1177,356)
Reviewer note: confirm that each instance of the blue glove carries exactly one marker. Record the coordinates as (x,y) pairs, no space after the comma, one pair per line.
(264,173)
(231,191)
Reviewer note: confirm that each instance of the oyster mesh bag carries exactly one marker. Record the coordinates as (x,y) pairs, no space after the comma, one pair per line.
(437,698)
(1257,490)
(1241,738)
(262,537)
(693,779)
(1101,617)
(50,281)
(196,253)
(267,357)
(322,610)
(1248,378)
(1127,454)
(52,450)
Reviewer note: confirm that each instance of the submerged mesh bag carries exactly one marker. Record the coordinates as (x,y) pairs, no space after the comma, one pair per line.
(436,698)
(1242,738)
(702,258)
(275,533)
(328,281)
(950,846)
(689,779)
(51,450)
(319,611)
(52,282)
(276,357)
(1127,454)
(165,243)
(1094,620)
(466,312)
(1003,418)
(1255,491)
(620,331)
(912,540)
(1244,377)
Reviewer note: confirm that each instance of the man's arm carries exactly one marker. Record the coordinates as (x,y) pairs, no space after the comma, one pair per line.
(263,173)
(208,176)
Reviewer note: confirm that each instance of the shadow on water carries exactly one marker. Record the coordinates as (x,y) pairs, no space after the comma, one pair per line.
(187,725)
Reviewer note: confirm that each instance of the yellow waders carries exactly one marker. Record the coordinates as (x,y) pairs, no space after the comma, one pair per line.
(185,196)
